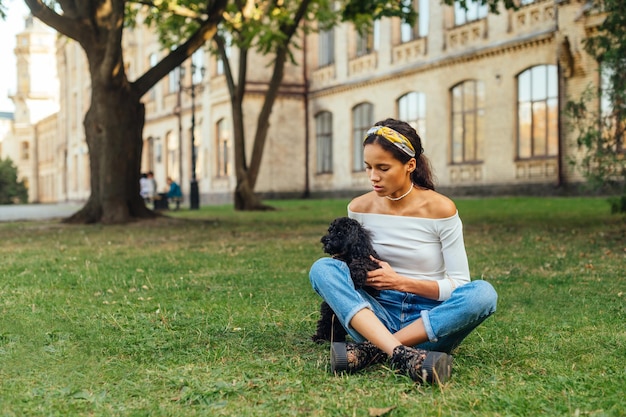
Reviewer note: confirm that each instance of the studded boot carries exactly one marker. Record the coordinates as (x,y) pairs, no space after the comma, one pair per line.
(422,365)
(352,357)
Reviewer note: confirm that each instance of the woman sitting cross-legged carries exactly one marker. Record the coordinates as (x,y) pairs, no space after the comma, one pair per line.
(427,303)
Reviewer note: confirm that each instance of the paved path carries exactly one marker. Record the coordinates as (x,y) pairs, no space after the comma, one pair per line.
(12,212)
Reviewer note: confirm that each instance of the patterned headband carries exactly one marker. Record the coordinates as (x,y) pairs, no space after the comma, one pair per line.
(398,139)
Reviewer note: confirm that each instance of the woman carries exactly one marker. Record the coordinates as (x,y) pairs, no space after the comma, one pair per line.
(427,304)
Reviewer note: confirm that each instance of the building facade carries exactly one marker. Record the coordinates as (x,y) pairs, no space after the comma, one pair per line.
(35,99)
(484,91)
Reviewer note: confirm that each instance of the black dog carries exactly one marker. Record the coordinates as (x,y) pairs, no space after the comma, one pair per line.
(347,241)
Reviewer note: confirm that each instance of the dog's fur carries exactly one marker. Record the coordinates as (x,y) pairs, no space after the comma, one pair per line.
(349,242)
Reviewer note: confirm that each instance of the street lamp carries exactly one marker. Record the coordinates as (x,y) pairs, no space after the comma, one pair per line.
(194,194)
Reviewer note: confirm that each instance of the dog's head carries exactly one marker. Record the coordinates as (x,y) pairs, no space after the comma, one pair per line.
(347,239)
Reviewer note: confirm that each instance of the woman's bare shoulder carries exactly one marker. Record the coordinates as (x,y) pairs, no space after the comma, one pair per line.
(362,203)
(441,207)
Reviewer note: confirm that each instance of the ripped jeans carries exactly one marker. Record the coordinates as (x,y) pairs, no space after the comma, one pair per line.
(447,322)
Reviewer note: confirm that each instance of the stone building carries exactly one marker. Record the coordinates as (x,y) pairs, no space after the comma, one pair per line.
(35,99)
(485,92)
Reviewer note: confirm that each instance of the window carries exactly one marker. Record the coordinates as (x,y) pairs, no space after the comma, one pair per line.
(468,102)
(368,42)
(362,116)
(611,112)
(326,48)
(324,137)
(420,29)
(173,78)
(25,151)
(537,110)
(475,11)
(223,145)
(412,109)
(219,61)
(173,155)
(197,66)
(153,59)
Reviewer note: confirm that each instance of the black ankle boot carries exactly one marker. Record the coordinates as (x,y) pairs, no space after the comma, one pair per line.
(422,365)
(352,357)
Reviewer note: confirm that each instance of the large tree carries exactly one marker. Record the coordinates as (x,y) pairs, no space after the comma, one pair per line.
(114,122)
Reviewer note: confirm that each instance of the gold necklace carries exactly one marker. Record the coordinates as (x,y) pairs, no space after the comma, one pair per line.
(402,196)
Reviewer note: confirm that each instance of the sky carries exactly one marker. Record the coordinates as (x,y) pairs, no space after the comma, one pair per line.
(13,24)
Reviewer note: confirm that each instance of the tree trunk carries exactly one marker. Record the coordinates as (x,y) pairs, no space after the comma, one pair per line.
(113,129)
(245,197)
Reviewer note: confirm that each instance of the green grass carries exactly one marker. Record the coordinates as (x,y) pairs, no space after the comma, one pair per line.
(210,313)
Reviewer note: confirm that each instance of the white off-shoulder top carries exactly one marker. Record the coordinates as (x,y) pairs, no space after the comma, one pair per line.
(420,248)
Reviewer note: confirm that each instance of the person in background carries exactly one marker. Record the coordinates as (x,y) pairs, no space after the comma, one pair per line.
(151,186)
(427,303)
(174,193)
(144,187)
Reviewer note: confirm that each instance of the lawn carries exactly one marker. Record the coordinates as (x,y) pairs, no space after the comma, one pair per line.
(209,313)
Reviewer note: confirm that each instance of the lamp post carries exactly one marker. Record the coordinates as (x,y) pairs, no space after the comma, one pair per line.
(194,194)
(179,113)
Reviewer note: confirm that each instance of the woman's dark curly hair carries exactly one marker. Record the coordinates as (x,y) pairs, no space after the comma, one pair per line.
(422,176)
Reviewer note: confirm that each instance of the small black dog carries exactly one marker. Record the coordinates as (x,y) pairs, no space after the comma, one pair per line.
(347,241)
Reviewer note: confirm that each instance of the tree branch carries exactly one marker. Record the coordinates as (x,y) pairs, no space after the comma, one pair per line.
(207,30)
(70,27)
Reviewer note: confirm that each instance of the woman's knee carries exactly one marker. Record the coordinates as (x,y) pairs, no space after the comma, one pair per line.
(485,295)
(325,269)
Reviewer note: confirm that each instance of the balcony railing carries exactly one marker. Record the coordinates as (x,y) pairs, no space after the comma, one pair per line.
(467,36)
(410,51)
(533,17)
(362,65)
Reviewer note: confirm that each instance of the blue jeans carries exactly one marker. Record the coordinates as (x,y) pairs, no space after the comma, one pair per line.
(447,322)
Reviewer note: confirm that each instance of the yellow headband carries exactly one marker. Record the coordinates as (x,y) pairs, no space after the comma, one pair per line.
(398,139)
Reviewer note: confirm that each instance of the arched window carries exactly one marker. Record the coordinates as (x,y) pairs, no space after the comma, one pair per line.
(537,110)
(412,109)
(362,115)
(468,103)
(223,147)
(324,138)
(172,162)
(613,122)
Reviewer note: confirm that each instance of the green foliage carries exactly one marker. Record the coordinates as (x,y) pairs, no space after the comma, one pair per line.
(601,132)
(11,190)
(602,162)
(492,4)
(362,13)
(210,315)
(174,22)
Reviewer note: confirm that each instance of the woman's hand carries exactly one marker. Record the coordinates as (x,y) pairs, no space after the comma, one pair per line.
(383,278)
